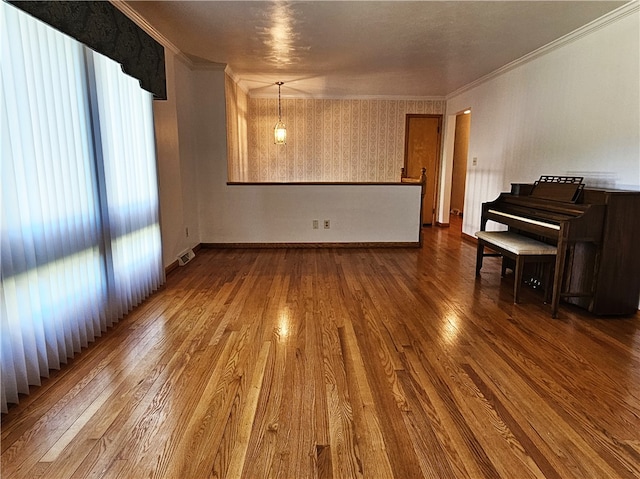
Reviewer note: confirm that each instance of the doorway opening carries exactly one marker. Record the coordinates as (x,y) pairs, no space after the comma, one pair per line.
(459,169)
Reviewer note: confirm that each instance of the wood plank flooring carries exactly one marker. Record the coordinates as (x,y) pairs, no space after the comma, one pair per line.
(340,363)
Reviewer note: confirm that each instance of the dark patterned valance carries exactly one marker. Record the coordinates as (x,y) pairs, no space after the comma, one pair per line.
(105,29)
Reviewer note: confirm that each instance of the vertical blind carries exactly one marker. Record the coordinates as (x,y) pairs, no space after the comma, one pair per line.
(80,237)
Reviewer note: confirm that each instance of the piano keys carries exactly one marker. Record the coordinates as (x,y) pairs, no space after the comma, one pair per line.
(503,215)
(597,233)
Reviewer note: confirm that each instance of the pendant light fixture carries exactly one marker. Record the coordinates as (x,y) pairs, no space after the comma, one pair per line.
(280,130)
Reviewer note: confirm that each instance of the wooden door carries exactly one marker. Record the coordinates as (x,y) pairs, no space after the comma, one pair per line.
(422,150)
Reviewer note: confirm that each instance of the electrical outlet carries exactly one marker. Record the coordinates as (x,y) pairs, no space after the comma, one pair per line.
(315,224)
(327,224)
(474,162)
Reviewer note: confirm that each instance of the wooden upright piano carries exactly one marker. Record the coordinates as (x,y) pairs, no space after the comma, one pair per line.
(597,233)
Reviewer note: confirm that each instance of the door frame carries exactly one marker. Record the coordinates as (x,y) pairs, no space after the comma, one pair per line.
(455,118)
(436,185)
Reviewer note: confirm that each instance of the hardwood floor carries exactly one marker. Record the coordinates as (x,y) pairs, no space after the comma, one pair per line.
(340,363)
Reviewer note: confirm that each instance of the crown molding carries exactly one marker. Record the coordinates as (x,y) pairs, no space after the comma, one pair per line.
(310,96)
(134,16)
(236,79)
(207,65)
(607,19)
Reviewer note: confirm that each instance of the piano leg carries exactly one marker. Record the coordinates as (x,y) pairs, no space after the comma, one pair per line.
(558,275)
(479,256)
(547,280)
(517,278)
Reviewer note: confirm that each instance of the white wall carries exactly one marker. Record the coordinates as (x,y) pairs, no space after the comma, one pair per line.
(168,154)
(186,99)
(176,163)
(572,111)
(284,214)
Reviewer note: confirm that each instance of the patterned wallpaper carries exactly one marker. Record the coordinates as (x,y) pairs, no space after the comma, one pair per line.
(327,140)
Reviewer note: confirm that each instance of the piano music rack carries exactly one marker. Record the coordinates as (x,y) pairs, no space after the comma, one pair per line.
(567,189)
(574,180)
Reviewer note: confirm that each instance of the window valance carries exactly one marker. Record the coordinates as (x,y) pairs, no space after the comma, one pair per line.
(105,29)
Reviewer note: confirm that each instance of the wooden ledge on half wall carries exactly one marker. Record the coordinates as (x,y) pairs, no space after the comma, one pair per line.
(326,183)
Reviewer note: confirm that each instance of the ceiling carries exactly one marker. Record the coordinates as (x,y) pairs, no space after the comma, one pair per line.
(338,49)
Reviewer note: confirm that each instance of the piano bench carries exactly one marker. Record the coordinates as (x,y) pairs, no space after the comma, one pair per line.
(519,248)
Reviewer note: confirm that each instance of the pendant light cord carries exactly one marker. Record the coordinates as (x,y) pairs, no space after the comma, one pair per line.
(279,83)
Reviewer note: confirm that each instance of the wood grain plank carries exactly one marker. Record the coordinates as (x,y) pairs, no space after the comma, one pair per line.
(239,453)
(375,461)
(346,461)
